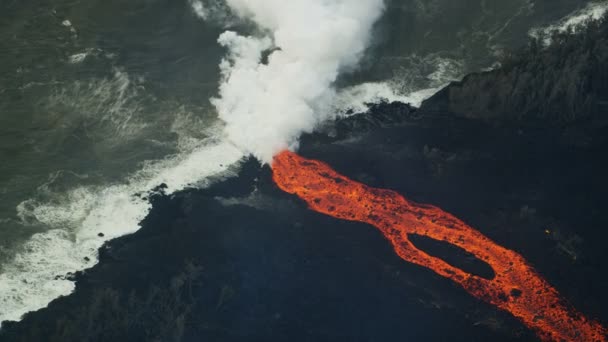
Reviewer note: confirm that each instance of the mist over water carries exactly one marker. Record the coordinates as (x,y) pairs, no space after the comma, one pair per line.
(266,106)
(104,100)
(91,118)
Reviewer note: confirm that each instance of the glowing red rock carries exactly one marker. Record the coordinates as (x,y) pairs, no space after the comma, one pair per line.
(516,287)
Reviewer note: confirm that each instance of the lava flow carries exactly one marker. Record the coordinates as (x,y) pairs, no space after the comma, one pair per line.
(516,287)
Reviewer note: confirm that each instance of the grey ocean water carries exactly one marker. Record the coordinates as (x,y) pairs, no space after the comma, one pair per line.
(104,100)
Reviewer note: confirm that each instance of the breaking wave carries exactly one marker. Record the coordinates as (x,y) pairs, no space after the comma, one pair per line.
(86,217)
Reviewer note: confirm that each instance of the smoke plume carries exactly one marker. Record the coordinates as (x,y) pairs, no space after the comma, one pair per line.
(279,83)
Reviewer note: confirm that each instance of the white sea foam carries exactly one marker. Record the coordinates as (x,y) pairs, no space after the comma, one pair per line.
(405,88)
(36,275)
(572,22)
(111,110)
(78,57)
(356,99)
(81,56)
(261,104)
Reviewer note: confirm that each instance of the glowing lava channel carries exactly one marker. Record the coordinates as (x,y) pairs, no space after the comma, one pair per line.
(516,287)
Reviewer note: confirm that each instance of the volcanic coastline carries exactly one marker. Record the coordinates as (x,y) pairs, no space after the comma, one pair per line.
(244,261)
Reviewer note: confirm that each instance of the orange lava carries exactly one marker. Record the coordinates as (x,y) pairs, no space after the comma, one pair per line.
(516,287)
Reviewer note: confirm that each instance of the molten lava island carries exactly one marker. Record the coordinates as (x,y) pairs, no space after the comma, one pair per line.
(516,287)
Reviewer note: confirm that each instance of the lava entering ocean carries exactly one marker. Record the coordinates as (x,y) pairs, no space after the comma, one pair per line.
(516,287)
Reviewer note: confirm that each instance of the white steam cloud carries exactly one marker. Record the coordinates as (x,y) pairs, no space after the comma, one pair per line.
(266,105)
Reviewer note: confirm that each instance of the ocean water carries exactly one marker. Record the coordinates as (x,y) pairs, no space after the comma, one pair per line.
(103,101)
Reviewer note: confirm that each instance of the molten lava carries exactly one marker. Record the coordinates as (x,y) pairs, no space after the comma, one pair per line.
(516,287)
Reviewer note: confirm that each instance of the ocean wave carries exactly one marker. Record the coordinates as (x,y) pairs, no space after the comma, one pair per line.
(424,77)
(572,22)
(74,220)
(87,217)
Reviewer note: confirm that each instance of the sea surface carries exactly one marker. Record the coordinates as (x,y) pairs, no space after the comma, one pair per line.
(103,101)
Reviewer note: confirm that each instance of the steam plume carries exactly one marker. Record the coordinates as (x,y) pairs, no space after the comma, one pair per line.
(266,106)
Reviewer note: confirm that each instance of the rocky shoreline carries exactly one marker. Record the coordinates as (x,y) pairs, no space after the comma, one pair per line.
(242,261)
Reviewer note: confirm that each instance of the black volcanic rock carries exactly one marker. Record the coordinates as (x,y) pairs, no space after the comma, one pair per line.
(565,82)
(243,261)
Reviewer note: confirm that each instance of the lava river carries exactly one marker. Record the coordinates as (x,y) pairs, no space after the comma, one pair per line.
(516,287)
